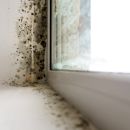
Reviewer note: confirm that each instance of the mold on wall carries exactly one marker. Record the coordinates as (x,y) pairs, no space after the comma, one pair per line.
(31,28)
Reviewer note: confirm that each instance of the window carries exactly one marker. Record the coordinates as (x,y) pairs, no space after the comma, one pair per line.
(95,94)
(90,36)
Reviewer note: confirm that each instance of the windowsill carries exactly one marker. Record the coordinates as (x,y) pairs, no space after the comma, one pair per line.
(94,93)
(38,107)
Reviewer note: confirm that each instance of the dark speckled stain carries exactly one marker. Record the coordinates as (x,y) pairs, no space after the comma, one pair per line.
(32,34)
(66,115)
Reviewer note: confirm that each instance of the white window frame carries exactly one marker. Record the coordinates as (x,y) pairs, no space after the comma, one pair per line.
(115,86)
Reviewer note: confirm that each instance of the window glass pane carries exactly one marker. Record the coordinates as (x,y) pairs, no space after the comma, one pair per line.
(107,49)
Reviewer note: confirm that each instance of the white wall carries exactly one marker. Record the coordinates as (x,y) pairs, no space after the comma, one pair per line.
(8,39)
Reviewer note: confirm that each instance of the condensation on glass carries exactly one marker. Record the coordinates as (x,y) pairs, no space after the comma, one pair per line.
(107,49)
(70,34)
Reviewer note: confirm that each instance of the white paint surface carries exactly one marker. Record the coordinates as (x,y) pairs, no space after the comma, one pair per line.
(22,110)
(8,39)
(104,98)
(37,108)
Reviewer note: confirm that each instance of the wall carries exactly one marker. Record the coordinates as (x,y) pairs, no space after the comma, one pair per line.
(23,41)
(8,39)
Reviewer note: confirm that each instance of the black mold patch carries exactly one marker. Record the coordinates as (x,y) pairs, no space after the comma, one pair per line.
(32,34)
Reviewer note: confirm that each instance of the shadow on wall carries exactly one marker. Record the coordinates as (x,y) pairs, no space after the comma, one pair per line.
(32,34)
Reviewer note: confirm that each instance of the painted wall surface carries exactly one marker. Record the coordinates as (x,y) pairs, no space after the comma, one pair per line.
(8,39)
(23,38)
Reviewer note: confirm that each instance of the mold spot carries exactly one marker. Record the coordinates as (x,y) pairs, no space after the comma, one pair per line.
(31,27)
